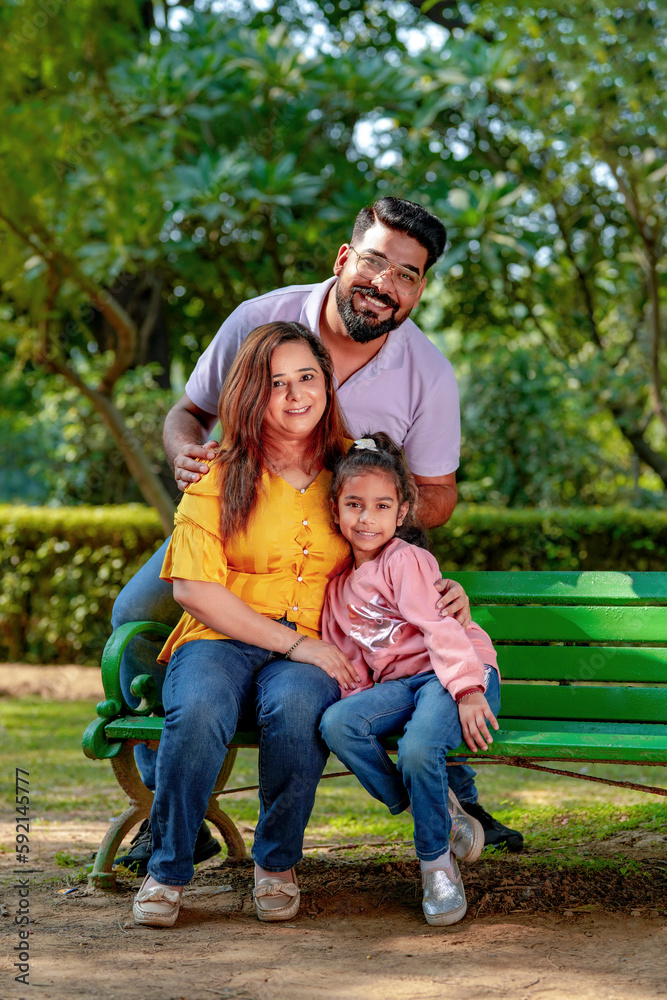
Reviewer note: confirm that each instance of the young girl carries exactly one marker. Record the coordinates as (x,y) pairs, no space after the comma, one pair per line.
(421,675)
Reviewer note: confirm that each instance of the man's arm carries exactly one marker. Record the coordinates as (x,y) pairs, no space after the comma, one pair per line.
(186,430)
(436,499)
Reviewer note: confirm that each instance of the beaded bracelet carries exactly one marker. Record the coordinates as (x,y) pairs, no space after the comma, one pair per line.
(292,648)
(464,694)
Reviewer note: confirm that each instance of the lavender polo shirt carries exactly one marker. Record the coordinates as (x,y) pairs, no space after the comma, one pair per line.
(408,390)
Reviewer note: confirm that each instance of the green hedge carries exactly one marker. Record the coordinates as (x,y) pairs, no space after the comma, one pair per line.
(581,538)
(63,567)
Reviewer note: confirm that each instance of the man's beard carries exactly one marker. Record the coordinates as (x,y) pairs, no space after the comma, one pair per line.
(363,327)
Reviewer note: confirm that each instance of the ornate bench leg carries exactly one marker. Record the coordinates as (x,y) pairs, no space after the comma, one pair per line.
(141,799)
(235,846)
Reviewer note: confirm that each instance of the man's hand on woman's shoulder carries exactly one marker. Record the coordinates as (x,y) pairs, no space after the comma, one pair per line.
(188,463)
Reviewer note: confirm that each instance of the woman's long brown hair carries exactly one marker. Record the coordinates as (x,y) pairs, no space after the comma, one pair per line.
(242,406)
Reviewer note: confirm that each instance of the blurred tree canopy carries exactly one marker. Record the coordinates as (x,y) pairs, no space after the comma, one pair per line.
(160,164)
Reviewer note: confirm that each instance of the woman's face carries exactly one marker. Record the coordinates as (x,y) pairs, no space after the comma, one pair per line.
(298,393)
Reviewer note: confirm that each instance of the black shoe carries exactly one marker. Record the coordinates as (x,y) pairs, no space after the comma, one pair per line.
(495,833)
(139,855)
(206,845)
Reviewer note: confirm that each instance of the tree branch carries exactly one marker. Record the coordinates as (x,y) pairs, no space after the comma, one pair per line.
(582,281)
(648,238)
(152,314)
(437,12)
(129,446)
(49,356)
(635,436)
(42,244)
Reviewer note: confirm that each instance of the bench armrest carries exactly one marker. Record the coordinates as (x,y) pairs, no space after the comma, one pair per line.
(95,744)
(117,643)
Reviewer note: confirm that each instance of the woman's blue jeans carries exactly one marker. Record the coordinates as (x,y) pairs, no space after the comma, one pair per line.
(425,713)
(148,598)
(209,685)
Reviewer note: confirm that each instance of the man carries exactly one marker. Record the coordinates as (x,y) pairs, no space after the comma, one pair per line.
(389,377)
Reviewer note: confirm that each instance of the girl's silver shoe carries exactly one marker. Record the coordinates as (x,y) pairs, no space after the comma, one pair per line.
(466,837)
(444,899)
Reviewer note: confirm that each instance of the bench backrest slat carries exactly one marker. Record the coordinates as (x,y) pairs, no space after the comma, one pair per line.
(613,704)
(546,587)
(572,624)
(627,664)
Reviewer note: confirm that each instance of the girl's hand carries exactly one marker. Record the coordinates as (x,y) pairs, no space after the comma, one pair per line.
(474,712)
(454,602)
(330,659)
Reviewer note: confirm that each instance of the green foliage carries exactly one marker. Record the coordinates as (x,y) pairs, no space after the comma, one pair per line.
(557,211)
(55,452)
(228,155)
(485,538)
(66,860)
(532,437)
(65,566)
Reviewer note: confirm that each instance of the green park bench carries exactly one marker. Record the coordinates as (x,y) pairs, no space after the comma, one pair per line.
(583,658)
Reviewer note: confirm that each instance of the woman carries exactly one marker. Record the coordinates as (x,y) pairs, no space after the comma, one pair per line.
(252,552)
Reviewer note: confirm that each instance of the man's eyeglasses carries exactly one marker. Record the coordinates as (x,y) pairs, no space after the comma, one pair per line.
(369,265)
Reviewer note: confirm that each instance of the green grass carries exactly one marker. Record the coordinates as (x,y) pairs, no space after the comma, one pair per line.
(558,815)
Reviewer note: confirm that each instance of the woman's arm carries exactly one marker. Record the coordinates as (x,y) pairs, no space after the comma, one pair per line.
(219,609)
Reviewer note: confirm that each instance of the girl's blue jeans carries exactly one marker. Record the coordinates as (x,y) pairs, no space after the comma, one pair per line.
(209,684)
(425,713)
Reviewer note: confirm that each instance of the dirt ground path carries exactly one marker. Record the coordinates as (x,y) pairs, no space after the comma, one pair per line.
(360,933)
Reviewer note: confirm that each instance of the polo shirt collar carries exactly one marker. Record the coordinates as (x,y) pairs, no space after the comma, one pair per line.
(392,352)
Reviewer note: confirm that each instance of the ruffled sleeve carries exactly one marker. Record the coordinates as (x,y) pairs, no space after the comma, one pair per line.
(196,551)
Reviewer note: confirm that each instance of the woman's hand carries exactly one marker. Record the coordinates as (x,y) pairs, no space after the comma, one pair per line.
(328,658)
(454,601)
(188,464)
(474,712)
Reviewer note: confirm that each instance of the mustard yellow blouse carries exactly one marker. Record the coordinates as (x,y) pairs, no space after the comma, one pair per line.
(280,565)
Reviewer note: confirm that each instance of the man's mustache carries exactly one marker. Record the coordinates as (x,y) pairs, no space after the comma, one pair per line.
(378,296)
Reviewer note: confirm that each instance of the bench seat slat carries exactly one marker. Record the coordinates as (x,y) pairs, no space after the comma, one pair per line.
(573,624)
(627,664)
(605,745)
(547,740)
(132,727)
(615,704)
(557,587)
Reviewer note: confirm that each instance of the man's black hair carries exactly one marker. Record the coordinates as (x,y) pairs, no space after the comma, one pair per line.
(406,217)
